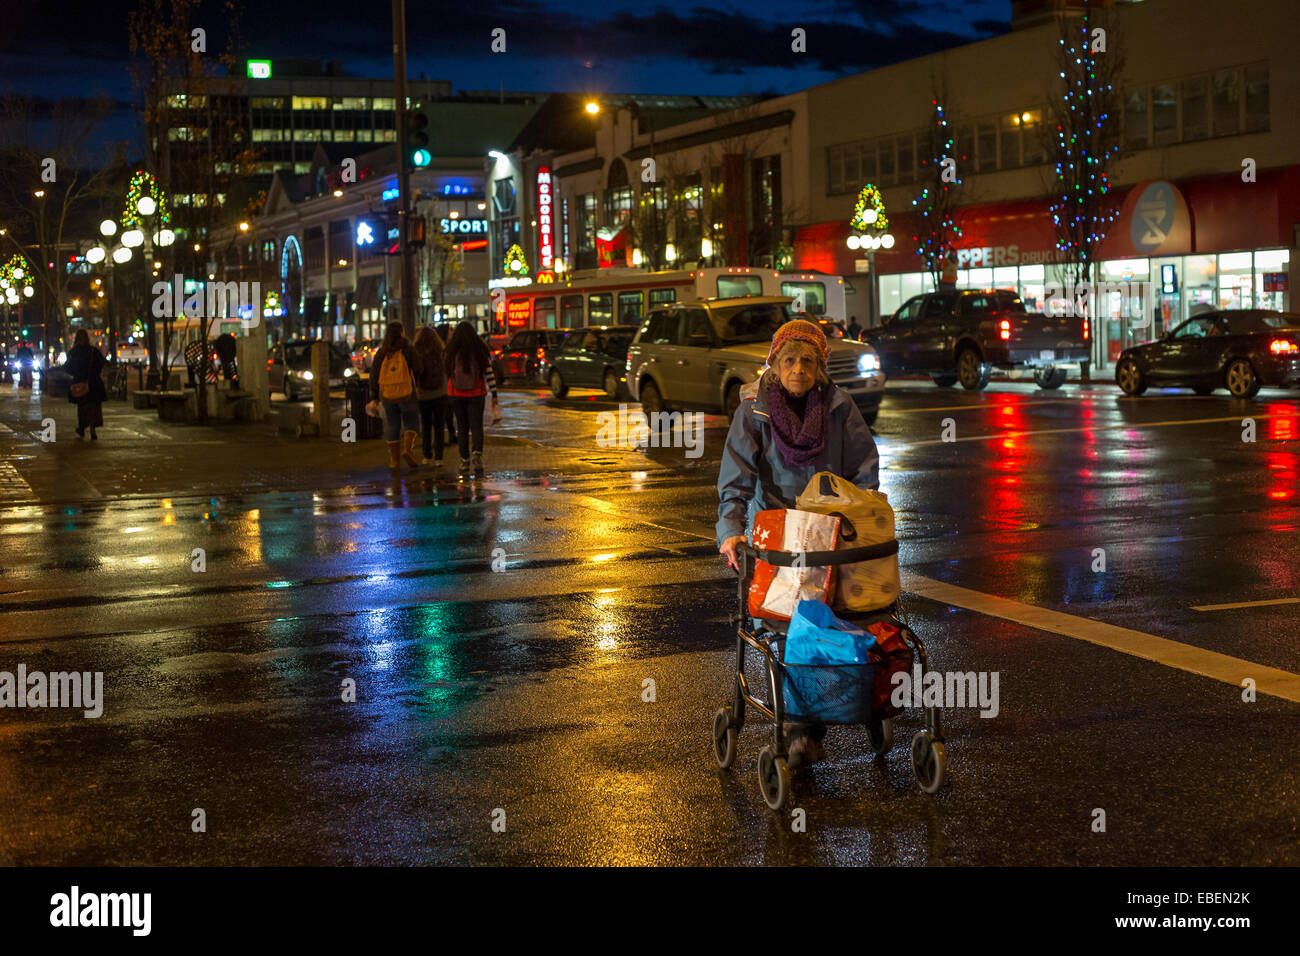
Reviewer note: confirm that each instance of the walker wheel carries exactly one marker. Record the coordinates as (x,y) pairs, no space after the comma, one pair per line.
(724,738)
(880,734)
(773,779)
(929,762)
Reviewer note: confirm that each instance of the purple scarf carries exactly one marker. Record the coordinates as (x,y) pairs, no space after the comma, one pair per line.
(799,441)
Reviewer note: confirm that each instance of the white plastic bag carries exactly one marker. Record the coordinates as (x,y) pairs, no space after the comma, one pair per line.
(865,585)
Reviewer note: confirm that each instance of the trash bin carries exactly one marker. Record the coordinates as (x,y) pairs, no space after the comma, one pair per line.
(356,395)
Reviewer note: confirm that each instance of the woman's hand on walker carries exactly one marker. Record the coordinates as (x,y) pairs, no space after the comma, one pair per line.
(729,549)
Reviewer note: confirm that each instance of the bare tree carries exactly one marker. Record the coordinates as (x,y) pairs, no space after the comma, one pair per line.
(51,188)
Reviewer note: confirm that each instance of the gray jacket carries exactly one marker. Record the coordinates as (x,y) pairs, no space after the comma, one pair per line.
(753,477)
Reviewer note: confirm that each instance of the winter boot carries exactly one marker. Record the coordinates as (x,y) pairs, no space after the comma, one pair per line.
(464,469)
(394,451)
(477,458)
(408,448)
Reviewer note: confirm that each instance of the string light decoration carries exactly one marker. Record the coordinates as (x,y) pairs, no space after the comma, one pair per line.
(869,211)
(16,280)
(1082,210)
(937,231)
(144,184)
(515,264)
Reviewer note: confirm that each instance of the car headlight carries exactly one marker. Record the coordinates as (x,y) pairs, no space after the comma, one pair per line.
(306,376)
(868,364)
(349,372)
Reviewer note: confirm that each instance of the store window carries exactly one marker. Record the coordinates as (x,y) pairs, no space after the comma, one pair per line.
(1135,120)
(1236,281)
(1196,103)
(906,160)
(1164,114)
(987,147)
(571,312)
(1257,100)
(1010,144)
(1226,103)
(1031,136)
(1268,264)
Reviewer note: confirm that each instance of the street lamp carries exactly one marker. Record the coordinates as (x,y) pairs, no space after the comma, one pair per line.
(593,107)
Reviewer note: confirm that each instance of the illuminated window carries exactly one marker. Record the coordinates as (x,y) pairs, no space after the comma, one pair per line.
(384,103)
(352,103)
(310,102)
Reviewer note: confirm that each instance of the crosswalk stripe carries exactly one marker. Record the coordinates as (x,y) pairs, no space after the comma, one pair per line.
(1185,657)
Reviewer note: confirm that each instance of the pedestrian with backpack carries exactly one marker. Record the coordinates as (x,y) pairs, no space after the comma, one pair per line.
(469,379)
(431,390)
(392,382)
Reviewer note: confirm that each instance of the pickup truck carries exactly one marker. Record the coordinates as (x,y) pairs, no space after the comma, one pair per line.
(962,336)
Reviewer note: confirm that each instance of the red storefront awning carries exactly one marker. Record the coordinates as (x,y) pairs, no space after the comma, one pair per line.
(1212,214)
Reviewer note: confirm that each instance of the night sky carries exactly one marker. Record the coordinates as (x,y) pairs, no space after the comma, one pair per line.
(80,48)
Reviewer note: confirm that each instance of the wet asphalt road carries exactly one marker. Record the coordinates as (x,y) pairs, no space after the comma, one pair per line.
(500,637)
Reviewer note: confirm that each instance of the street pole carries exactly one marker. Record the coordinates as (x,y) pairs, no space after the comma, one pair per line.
(403,174)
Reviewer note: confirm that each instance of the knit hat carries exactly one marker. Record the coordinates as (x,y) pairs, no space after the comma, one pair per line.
(799,330)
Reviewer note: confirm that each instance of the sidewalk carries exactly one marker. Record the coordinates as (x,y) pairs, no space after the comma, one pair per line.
(137,455)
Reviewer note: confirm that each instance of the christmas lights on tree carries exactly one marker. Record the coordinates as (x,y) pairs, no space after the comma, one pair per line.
(144,184)
(937,231)
(869,211)
(1082,211)
(515,264)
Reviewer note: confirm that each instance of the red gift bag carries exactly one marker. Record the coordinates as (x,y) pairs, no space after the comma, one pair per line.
(775,591)
(890,656)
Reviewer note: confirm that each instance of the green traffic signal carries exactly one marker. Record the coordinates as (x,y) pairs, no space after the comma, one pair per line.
(420,157)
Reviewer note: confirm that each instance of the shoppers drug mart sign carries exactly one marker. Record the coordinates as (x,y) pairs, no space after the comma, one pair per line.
(545,229)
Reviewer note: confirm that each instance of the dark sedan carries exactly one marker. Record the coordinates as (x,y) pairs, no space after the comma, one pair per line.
(594,357)
(1241,351)
(524,359)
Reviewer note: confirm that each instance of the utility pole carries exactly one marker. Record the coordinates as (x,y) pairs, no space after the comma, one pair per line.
(403,173)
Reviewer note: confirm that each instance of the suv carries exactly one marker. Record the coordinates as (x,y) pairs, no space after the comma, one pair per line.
(963,336)
(697,356)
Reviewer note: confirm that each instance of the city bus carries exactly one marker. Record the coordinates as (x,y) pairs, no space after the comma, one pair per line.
(617,296)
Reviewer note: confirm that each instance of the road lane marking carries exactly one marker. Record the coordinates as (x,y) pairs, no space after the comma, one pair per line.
(1160,650)
(1091,428)
(986,406)
(1229,607)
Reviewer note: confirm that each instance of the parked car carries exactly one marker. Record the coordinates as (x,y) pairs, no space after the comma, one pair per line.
(594,357)
(524,359)
(1241,351)
(288,368)
(697,356)
(962,336)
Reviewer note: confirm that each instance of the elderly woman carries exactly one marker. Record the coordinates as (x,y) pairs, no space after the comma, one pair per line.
(792,423)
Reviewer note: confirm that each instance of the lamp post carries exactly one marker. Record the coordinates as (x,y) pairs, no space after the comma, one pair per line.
(634,108)
(872,233)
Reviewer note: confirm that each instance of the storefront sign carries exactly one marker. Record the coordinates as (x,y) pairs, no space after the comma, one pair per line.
(461,227)
(1275,282)
(259,69)
(518,312)
(545,229)
(1155,220)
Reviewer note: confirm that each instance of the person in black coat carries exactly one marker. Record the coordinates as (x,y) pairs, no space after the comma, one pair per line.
(86,391)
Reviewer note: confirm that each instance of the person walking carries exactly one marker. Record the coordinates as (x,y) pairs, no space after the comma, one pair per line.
(86,390)
(855,330)
(469,379)
(431,390)
(25,361)
(392,382)
(792,423)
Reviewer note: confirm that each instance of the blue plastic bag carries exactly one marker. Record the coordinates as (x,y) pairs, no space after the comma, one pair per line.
(817,636)
(828,673)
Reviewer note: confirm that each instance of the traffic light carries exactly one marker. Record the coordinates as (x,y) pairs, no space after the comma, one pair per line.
(417,139)
(415,232)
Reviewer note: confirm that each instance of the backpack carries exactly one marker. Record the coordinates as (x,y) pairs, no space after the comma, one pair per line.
(431,377)
(464,379)
(395,380)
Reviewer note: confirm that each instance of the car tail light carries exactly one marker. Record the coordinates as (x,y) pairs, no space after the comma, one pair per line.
(1006,328)
(541,353)
(1282,347)
(1085,329)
